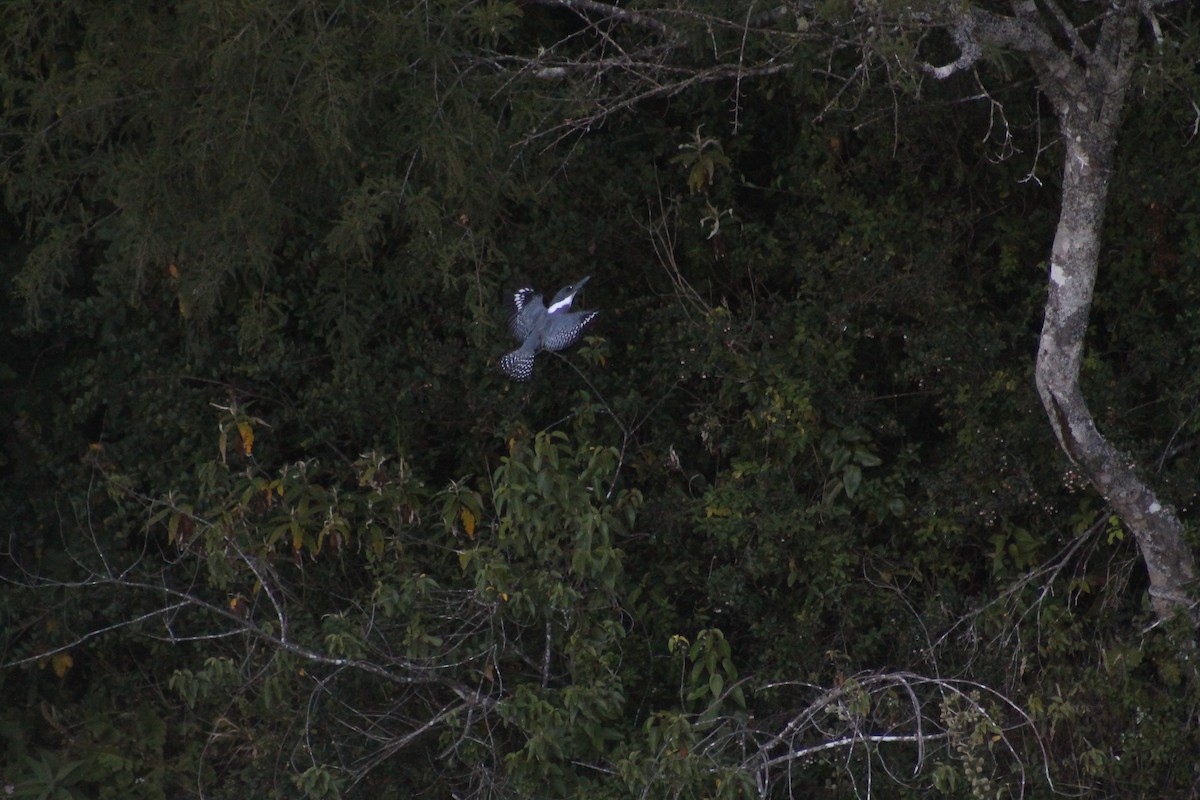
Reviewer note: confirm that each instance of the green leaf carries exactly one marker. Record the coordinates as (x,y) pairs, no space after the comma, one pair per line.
(866,458)
(852,479)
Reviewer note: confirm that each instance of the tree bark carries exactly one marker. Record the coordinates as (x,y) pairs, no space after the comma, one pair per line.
(1087,91)
(1086,85)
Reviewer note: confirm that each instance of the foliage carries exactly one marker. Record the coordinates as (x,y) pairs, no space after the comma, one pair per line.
(275,526)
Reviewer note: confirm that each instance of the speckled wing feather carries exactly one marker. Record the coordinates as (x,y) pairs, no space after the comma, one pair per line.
(564,329)
(520,323)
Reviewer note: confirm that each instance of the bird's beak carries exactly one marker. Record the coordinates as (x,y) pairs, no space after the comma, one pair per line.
(580,284)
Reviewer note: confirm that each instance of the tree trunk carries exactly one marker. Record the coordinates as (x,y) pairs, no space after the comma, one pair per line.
(1088,95)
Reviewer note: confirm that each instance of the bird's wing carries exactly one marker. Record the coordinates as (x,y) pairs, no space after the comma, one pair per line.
(519,323)
(564,329)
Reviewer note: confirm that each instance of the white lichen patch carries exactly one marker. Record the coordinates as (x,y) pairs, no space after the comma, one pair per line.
(1057,275)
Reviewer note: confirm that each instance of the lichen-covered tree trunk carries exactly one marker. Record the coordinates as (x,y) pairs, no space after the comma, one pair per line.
(1088,96)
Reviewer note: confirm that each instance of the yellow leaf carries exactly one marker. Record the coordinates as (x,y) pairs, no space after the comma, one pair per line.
(62,662)
(247,437)
(468,521)
(174,270)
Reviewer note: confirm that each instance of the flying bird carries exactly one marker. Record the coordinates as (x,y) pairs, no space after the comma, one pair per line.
(541,327)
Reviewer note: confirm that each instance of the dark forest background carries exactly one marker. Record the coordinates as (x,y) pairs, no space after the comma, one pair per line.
(789,521)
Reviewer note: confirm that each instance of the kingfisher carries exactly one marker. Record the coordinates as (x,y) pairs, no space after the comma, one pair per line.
(539,327)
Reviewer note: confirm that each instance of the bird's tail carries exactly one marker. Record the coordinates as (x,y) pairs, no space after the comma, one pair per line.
(518,364)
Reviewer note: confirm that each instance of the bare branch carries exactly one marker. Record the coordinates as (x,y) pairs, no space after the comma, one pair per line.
(974,28)
(608,11)
(92,634)
(969,48)
(1078,48)
(863,712)
(852,741)
(1147,10)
